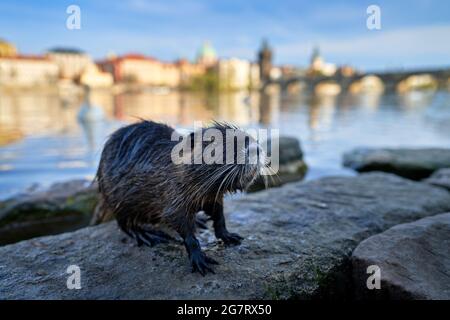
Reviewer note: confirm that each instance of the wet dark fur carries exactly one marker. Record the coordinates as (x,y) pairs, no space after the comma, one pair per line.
(141,186)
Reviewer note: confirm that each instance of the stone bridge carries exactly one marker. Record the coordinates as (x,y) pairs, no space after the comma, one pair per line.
(391,80)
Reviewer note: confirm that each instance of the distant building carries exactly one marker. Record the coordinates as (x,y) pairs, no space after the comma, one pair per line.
(189,71)
(316,62)
(140,69)
(347,71)
(275,73)
(207,56)
(169,75)
(93,77)
(265,56)
(72,62)
(27,71)
(236,74)
(7,49)
(319,67)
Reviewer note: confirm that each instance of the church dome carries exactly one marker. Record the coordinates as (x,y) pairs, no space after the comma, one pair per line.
(206,54)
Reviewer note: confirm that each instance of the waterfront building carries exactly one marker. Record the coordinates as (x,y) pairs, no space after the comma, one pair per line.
(237,74)
(72,62)
(140,69)
(169,75)
(27,71)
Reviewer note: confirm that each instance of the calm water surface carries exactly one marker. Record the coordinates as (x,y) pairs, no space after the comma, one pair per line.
(42,140)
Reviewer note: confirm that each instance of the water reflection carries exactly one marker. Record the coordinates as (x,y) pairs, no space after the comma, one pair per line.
(44,138)
(416,99)
(321,112)
(269,107)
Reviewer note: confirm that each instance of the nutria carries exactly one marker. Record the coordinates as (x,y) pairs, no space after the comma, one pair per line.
(142,185)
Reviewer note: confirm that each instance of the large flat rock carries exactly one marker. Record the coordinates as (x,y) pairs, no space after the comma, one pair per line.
(414,164)
(298,243)
(414,261)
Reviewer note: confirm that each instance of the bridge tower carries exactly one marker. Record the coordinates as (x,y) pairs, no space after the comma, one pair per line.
(265,56)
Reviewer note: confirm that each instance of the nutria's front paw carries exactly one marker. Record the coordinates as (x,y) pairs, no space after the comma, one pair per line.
(200,261)
(230,238)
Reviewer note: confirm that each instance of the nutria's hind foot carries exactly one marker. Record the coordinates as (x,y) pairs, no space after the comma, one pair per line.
(230,238)
(200,262)
(149,236)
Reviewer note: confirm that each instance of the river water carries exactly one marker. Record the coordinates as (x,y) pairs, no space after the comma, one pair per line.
(42,139)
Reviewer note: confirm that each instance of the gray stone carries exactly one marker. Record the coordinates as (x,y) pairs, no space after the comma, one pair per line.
(414,261)
(440,178)
(292,167)
(62,207)
(298,243)
(414,164)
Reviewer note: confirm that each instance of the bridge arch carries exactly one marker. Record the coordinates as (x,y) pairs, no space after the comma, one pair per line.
(424,81)
(367,84)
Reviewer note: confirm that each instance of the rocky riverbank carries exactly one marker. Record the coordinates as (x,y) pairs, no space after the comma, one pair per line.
(299,241)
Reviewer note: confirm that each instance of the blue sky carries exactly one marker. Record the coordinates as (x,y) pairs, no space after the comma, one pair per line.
(414,33)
